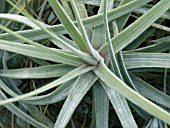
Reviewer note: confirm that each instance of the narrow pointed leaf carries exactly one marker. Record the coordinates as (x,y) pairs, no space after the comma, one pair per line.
(68,24)
(57,95)
(121,21)
(20,113)
(113,81)
(142,37)
(51,85)
(121,107)
(164,39)
(48,71)
(18,18)
(80,88)
(83,55)
(150,92)
(101,106)
(158,47)
(140,60)
(140,25)
(32,51)
(88,22)
(86,40)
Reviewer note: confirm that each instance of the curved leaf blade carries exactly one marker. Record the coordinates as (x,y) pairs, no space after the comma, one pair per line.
(113,81)
(82,85)
(88,22)
(135,29)
(121,107)
(141,60)
(48,71)
(55,83)
(48,54)
(150,92)
(21,114)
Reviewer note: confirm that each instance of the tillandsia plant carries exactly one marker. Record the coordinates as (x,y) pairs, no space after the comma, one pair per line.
(61,59)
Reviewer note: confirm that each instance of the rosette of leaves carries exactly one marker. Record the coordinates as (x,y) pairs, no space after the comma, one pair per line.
(102,53)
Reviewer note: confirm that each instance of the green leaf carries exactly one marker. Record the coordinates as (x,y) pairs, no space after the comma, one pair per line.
(15,11)
(146,8)
(140,60)
(139,26)
(142,37)
(48,54)
(124,72)
(51,85)
(21,114)
(121,107)
(114,82)
(121,21)
(57,95)
(82,85)
(48,71)
(20,19)
(101,106)
(83,55)
(84,14)
(68,24)
(113,60)
(150,92)
(88,22)
(68,9)
(69,41)
(161,40)
(159,47)
(36,114)
(98,37)
(86,41)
